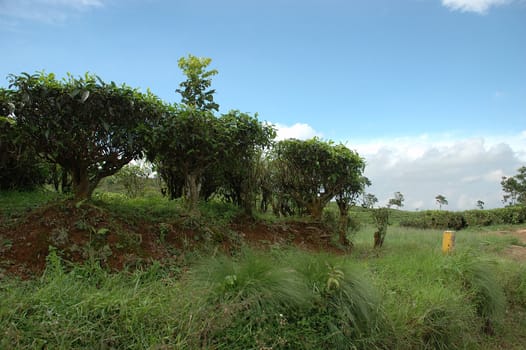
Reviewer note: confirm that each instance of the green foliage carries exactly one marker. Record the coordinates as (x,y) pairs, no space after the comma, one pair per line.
(133,178)
(436,219)
(514,187)
(369,200)
(20,166)
(397,200)
(90,128)
(185,145)
(194,89)
(381,219)
(198,155)
(312,172)
(441,200)
(240,167)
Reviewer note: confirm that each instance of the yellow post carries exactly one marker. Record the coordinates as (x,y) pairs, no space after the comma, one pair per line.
(448,241)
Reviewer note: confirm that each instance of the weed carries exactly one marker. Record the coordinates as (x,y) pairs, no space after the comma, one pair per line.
(59,236)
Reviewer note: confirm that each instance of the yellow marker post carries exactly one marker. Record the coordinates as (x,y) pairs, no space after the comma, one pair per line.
(448,241)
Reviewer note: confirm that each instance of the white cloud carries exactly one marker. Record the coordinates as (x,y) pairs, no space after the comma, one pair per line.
(299,131)
(47,11)
(462,169)
(477,6)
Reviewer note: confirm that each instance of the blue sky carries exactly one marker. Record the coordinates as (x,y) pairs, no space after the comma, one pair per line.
(431,92)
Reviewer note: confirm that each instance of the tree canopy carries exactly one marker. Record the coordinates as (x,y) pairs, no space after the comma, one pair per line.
(441,200)
(397,200)
(193,90)
(514,187)
(313,172)
(89,127)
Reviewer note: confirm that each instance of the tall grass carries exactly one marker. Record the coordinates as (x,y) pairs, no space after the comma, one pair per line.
(407,295)
(88,308)
(286,300)
(478,277)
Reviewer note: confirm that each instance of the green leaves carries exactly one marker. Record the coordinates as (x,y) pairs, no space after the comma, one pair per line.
(88,127)
(313,172)
(194,90)
(514,187)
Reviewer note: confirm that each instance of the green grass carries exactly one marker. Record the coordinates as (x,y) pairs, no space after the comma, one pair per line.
(14,204)
(407,295)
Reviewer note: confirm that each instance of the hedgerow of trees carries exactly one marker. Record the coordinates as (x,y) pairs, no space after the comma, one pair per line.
(87,130)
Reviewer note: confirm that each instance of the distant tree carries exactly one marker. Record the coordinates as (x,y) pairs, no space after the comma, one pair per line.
(480,204)
(369,200)
(514,187)
(441,200)
(90,128)
(312,172)
(398,200)
(133,178)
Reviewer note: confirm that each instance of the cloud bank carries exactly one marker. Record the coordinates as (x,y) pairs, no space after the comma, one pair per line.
(477,6)
(463,169)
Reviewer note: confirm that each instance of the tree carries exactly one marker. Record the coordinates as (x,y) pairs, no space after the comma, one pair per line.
(244,141)
(369,200)
(133,178)
(347,196)
(514,187)
(480,204)
(398,200)
(193,90)
(186,143)
(441,200)
(313,172)
(90,128)
(381,219)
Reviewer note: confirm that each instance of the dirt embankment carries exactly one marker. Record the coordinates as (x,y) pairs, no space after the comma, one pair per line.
(89,232)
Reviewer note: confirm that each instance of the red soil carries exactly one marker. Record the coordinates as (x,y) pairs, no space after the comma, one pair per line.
(87,232)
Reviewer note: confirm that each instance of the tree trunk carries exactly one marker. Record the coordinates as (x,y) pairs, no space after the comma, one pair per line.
(342,229)
(343,222)
(81,185)
(192,189)
(315,209)
(65,183)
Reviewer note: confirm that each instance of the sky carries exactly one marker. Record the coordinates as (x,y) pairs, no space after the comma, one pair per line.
(431,93)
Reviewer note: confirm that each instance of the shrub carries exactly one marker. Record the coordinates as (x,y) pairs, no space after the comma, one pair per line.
(436,219)
(504,216)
